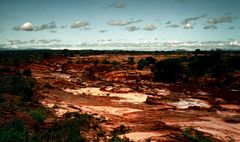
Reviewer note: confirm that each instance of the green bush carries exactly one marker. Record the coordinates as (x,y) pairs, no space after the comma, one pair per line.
(27,72)
(115,63)
(169,70)
(131,60)
(14,131)
(120,130)
(118,139)
(69,129)
(150,60)
(193,135)
(145,62)
(214,65)
(17,85)
(141,64)
(105,61)
(38,115)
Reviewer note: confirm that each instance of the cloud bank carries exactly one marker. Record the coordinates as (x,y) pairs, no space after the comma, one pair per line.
(231,44)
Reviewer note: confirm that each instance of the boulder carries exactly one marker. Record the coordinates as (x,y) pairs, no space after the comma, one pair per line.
(154,100)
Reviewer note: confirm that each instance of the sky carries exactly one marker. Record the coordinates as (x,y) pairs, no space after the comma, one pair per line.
(120,24)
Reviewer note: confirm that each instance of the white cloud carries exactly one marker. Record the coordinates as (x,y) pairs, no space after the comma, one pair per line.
(223,19)
(29,27)
(188,26)
(213,22)
(51,25)
(79,24)
(188,23)
(123,22)
(234,43)
(231,44)
(118,22)
(24,27)
(172,26)
(149,27)
(206,27)
(133,28)
(119,4)
(191,19)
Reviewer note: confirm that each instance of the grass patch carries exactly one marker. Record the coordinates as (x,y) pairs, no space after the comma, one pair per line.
(38,115)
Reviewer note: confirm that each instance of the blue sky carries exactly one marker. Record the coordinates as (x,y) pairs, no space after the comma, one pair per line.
(120,24)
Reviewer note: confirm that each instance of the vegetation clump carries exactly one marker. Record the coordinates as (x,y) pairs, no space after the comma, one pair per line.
(192,135)
(145,62)
(13,131)
(105,61)
(27,72)
(216,66)
(122,129)
(115,63)
(38,115)
(131,61)
(69,129)
(17,85)
(169,70)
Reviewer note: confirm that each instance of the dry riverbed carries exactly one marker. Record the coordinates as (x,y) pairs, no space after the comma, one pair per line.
(152,111)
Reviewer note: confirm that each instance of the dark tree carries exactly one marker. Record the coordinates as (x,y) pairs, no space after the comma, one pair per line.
(169,71)
(197,51)
(27,72)
(131,60)
(150,60)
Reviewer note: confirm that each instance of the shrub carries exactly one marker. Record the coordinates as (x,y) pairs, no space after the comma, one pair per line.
(27,72)
(14,131)
(150,60)
(131,60)
(96,62)
(115,63)
(105,61)
(197,51)
(145,62)
(120,130)
(195,136)
(38,115)
(213,65)
(141,64)
(69,129)
(169,70)
(198,66)
(17,85)
(118,139)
